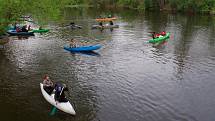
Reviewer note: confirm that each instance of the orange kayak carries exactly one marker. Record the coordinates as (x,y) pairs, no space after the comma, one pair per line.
(105,19)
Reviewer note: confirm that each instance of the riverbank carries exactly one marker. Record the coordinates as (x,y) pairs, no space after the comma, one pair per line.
(4,39)
(166,8)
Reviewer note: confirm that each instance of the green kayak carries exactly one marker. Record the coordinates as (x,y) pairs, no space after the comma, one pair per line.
(159,39)
(40,30)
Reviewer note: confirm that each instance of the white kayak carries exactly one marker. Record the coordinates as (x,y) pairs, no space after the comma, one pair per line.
(64,106)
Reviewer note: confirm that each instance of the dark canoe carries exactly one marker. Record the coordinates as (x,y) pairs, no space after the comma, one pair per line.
(14,33)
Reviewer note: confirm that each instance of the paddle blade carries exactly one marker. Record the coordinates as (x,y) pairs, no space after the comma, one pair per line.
(53,111)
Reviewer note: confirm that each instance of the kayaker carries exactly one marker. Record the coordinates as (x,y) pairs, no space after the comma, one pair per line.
(111,23)
(24,28)
(72,43)
(59,92)
(109,16)
(29,27)
(101,24)
(163,33)
(18,29)
(48,84)
(40,28)
(155,35)
(72,24)
(15,26)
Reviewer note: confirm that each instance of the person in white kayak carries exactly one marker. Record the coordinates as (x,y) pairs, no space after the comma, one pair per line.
(48,84)
(59,92)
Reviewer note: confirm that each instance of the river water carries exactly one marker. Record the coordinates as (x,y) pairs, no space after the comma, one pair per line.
(128,79)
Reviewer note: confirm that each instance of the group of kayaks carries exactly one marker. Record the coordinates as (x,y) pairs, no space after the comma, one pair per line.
(66,106)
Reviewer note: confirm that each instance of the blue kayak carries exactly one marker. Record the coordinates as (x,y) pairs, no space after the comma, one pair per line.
(14,33)
(83,48)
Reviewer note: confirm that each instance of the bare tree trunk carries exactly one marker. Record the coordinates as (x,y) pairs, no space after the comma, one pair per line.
(161,4)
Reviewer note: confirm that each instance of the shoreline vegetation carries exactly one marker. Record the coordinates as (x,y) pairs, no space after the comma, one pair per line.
(11,10)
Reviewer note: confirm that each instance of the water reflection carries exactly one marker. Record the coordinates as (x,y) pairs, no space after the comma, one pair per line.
(89,53)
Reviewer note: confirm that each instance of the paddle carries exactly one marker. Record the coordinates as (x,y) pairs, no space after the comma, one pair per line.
(53,111)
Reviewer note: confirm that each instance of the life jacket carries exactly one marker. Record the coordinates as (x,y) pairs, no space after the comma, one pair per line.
(157,35)
(163,33)
(18,29)
(58,87)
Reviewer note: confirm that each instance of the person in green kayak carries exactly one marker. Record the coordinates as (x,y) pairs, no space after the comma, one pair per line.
(163,33)
(40,28)
(156,35)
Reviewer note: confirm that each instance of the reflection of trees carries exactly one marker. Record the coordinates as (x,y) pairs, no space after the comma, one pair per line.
(183,45)
(156,21)
(182,48)
(212,31)
(3,40)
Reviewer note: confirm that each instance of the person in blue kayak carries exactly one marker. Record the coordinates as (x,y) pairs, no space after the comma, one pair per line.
(48,84)
(73,43)
(40,28)
(59,92)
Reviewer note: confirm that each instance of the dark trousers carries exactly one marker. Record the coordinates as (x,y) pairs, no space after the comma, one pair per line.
(49,89)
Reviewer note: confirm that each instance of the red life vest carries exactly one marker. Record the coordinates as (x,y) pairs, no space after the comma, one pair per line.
(157,35)
(163,33)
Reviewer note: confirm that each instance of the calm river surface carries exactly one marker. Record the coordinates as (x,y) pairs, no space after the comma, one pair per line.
(128,79)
